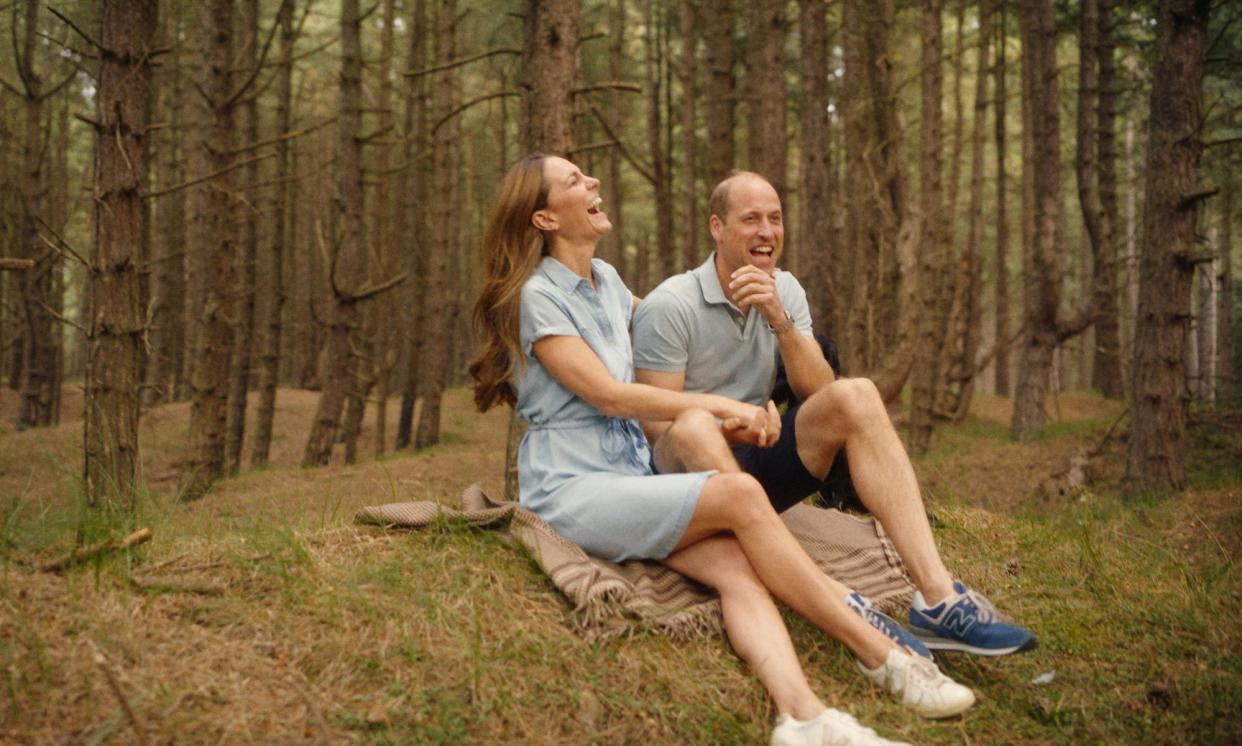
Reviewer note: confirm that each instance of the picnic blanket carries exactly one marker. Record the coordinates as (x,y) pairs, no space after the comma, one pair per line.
(611,600)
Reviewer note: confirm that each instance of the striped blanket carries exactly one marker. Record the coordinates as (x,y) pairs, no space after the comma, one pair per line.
(611,600)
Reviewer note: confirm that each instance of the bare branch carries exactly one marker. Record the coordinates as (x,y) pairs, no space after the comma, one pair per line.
(609,85)
(445,119)
(63,319)
(208,177)
(287,136)
(13,263)
(625,151)
(79,31)
(463,61)
(369,290)
(254,72)
(1190,200)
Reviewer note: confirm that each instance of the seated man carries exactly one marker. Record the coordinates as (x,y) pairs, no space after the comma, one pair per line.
(718,329)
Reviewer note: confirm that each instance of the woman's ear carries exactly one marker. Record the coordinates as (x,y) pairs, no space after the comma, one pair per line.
(543,221)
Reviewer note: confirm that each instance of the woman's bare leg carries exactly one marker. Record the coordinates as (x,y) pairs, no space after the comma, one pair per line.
(737,504)
(752,621)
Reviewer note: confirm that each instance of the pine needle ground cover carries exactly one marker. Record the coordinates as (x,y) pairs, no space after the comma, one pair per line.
(262,614)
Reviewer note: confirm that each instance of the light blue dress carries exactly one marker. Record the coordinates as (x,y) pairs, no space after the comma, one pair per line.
(588,475)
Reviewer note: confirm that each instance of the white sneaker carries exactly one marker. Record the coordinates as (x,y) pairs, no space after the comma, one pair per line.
(831,728)
(920,685)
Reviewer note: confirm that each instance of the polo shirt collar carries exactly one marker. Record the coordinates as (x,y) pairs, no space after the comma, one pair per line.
(709,282)
(560,275)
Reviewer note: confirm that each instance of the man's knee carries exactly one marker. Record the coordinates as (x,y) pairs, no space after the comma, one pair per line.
(845,404)
(692,426)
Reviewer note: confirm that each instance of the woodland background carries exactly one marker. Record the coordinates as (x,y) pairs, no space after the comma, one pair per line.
(239,245)
(226,197)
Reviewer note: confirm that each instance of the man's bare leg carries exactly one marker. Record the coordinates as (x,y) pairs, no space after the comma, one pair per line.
(849,413)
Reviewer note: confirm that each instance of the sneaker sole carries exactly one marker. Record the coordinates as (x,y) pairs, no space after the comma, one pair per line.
(942,643)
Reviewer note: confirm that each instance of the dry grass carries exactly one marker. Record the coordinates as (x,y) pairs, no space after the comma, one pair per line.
(261,614)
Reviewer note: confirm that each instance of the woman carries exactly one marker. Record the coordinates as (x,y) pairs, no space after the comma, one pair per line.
(554,322)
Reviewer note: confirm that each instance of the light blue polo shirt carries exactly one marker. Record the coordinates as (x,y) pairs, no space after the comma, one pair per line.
(687,324)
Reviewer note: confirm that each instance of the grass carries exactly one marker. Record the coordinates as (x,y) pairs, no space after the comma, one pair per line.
(262,614)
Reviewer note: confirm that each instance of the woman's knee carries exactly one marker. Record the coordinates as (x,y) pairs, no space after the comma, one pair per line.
(737,497)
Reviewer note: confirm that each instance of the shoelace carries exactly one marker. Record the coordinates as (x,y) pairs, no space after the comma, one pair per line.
(987,612)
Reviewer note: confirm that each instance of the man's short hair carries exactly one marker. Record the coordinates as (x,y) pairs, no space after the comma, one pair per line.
(719,202)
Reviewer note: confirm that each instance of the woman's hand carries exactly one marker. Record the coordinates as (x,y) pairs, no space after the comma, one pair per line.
(759,426)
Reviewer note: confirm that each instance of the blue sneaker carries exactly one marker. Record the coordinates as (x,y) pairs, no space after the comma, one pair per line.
(968,622)
(885,623)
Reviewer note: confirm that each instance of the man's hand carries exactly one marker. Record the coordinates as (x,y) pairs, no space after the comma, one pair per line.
(753,425)
(752,287)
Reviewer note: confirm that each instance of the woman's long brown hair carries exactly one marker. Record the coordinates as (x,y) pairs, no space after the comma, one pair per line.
(513,247)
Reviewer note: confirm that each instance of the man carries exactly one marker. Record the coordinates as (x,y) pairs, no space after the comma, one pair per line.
(718,329)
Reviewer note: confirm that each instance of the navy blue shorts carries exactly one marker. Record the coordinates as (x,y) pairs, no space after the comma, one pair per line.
(779,469)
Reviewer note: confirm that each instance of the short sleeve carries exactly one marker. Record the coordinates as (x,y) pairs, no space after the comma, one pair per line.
(793,298)
(543,315)
(661,334)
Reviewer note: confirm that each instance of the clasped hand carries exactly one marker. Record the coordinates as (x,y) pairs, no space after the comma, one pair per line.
(759,426)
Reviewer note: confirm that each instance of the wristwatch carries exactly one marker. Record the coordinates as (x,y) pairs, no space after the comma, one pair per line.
(782,327)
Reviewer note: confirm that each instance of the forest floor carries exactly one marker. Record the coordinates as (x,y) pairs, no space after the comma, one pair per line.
(263,614)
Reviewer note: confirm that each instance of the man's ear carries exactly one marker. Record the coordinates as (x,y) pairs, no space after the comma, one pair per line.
(542,220)
(715,225)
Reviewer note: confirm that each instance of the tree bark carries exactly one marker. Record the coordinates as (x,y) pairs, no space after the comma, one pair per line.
(114,365)
(247,249)
(551,54)
(556,29)
(965,317)
(933,258)
(1107,373)
(213,271)
(343,369)
(815,229)
(658,143)
(1226,380)
(766,95)
(718,90)
(688,73)
(1001,360)
(274,282)
(1098,221)
(167,362)
(38,372)
(1156,453)
(1044,260)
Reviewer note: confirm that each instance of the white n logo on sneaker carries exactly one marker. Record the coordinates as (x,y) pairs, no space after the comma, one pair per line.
(959,620)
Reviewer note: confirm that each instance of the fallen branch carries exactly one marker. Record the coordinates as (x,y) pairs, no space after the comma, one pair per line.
(115,684)
(83,554)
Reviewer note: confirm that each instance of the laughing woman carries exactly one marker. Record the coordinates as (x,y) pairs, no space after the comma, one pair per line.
(554,322)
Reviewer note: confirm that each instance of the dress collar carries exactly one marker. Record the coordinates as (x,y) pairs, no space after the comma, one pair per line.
(560,275)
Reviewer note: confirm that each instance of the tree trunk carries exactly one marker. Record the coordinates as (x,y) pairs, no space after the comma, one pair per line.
(815,230)
(550,64)
(1155,459)
(167,363)
(766,94)
(965,318)
(274,283)
(1098,221)
(614,187)
(658,143)
(383,214)
(413,223)
(687,26)
(213,270)
(1107,375)
(38,373)
(343,374)
(1043,265)
(114,365)
(247,249)
(555,30)
(1226,381)
(718,89)
(1001,359)
(933,257)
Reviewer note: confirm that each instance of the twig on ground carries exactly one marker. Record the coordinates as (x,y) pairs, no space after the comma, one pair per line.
(104,547)
(115,684)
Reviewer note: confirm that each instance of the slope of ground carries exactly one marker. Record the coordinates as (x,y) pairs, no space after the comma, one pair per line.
(262,614)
